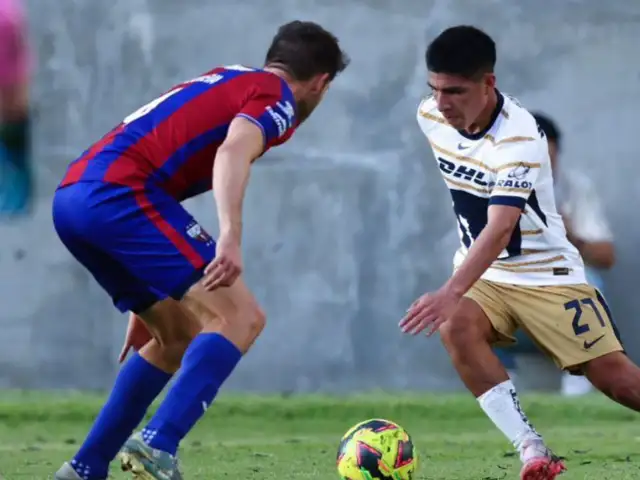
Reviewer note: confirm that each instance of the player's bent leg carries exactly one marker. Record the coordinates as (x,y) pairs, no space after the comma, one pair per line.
(468,335)
(615,375)
(139,382)
(231,320)
(573,325)
(173,327)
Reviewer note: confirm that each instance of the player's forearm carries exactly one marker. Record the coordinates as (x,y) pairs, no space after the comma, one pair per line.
(230,178)
(484,251)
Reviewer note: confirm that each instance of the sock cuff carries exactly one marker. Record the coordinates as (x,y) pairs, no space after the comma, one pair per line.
(506,386)
(137,361)
(214,341)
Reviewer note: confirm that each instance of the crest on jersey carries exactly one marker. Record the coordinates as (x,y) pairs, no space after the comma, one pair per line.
(195,231)
(519,172)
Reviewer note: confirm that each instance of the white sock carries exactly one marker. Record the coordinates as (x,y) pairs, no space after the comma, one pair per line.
(502,406)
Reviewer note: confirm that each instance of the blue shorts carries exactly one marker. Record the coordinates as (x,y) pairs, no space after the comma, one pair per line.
(141,247)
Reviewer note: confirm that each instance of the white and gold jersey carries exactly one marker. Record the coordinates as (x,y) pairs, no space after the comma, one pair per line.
(507,164)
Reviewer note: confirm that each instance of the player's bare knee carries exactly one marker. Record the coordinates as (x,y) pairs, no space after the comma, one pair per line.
(232,311)
(257,321)
(247,321)
(468,325)
(460,331)
(451,332)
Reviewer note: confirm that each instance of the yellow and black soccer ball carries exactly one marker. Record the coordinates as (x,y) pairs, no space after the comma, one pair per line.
(377,449)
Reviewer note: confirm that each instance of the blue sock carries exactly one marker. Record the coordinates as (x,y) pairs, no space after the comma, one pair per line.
(207,363)
(137,385)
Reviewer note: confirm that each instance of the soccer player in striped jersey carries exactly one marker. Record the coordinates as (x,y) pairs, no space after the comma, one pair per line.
(118,212)
(515,266)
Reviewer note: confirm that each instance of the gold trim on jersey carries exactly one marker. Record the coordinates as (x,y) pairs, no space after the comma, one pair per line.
(462,158)
(464,186)
(531,251)
(490,138)
(511,190)
(531,232)
(435,118)
(516,266)
(516,139)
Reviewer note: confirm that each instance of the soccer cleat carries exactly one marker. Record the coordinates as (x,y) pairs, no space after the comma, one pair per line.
(539,462)
(147,463)
(67,472)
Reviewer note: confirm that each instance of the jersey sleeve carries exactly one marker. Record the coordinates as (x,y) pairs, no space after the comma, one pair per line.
(517,167)
(426,116)
(271,107)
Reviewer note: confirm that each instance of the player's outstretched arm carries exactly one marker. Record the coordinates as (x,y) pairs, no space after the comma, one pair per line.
(493,239)
(243,144)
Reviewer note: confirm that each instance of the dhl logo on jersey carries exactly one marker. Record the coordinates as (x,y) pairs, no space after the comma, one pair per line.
(464,172)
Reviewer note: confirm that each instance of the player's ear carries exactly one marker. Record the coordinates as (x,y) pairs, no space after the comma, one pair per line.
(320,83)
(490,80)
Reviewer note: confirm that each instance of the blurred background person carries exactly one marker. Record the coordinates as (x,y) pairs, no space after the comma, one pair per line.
(16,180)
(587,228)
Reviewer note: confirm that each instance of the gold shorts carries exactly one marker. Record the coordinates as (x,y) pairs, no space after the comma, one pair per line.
(571,323)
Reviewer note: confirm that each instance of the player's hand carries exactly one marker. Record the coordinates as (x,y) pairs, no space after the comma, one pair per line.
(137,336)
(226,267)
(429,311)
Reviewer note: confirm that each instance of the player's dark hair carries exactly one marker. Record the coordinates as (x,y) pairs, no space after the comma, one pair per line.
(549,127)
(306,49)
(463,50)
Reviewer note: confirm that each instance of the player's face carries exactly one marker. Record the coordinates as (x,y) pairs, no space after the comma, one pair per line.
(312,95)
(461,100)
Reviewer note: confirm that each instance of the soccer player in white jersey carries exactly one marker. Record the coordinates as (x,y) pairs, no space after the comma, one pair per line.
(515,267)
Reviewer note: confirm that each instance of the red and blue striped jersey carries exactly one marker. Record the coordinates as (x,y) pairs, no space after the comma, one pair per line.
(172,141)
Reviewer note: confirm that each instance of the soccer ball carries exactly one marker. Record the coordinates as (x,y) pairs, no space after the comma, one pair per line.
(377,449)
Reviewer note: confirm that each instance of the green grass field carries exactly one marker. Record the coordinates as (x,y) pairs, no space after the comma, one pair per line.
(251,438)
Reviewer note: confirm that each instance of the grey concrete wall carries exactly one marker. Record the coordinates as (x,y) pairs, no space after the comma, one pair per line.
(349,222)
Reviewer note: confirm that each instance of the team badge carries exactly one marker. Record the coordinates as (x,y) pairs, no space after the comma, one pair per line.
(195,231)
(519,172)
